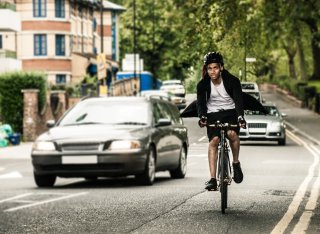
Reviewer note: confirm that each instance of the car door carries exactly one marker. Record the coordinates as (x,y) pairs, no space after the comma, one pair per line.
(161,135)
(173,141)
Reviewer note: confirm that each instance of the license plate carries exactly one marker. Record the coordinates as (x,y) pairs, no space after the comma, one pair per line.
(257,130)
(92,159)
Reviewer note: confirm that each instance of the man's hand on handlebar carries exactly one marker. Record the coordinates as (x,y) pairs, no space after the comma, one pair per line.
(242,122)
(202,121)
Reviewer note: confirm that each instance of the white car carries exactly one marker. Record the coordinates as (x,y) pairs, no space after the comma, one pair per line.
(252,88)
(173,86)
(180,102)
(249,86)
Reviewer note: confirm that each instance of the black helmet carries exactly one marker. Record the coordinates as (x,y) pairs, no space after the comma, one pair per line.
(213,57)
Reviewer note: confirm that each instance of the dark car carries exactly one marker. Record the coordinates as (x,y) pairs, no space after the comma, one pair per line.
(111,137)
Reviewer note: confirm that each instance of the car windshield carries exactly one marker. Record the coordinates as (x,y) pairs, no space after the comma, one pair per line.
(271,111)
(107,112)
(248,86)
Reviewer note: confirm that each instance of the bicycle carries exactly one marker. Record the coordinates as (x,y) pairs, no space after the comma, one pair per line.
(224,167)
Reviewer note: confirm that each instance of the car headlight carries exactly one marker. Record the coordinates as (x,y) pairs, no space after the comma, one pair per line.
(275,124)
(125,145)
(44,146)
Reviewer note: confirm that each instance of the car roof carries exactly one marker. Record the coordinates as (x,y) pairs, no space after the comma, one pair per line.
(127,99)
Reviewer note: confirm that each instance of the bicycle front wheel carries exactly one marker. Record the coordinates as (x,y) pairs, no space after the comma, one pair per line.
(223,181)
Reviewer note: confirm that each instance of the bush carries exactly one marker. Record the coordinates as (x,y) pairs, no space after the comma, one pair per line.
(11,97)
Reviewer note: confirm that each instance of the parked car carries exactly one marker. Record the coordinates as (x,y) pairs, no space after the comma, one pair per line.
(180,102)
(174,86)
(111,137)
(261,127)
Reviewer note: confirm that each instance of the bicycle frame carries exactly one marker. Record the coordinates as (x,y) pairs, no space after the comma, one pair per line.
(224,168)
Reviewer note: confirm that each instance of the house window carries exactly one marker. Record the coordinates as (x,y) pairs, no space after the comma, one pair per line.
(94,24)
(61,79)
(39,8)
(114,36)
(60,8)
(40,44)
(1,42)
(60,45)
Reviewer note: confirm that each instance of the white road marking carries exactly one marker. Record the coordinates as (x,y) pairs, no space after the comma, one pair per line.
(45,202)
(14,174)
(15,197)
(304,221)
(298,198)
(202,138)
(294,138)
(295,129)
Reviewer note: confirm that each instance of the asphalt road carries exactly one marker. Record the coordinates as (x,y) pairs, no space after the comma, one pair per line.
(279,194)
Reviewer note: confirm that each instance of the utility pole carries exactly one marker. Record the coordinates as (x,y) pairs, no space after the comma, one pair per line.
(101,25)
(134,38)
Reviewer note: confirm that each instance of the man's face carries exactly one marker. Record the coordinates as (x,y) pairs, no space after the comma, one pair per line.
(214,70)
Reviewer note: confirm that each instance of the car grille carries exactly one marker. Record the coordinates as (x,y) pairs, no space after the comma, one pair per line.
(257,125)
(88,146)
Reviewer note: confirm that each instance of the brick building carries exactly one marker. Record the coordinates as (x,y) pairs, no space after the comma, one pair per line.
(59,37)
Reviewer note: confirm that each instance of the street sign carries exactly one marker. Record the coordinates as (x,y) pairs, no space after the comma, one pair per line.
(101,66)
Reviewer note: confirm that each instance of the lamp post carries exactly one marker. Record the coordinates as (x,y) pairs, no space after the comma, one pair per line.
(101,25)
(134,38)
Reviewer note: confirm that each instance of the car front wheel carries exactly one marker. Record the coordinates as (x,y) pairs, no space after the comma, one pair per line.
(282,141)
(181,170)
(148,176)
(44,180)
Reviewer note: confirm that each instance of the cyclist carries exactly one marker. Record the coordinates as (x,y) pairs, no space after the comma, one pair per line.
(219,98)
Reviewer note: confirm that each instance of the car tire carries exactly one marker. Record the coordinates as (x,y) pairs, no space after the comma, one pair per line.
(44,180)
(282,141)
(181,170)
(148,176)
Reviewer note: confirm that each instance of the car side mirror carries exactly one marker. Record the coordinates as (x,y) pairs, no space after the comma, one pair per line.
(50,123)
(163,122)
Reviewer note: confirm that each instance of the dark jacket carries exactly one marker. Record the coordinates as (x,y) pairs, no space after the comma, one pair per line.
(243,101)
(231,84)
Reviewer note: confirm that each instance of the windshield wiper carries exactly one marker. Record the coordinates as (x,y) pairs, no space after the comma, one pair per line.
(131,123)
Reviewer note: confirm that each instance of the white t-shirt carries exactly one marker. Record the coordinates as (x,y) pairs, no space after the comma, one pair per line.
(219,99)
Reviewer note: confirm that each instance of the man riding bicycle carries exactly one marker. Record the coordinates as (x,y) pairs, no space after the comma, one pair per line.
(219,98)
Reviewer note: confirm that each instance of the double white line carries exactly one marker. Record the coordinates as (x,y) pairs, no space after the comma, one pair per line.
(308,212)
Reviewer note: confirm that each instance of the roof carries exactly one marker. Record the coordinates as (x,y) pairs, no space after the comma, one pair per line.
(112,6)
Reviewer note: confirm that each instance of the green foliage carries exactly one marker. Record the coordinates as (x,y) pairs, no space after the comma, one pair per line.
(11,97)
(173,35)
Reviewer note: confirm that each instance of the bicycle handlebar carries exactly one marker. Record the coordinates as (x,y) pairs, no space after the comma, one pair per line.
(223,125)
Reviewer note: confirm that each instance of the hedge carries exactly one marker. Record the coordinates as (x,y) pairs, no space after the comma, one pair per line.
(11,97)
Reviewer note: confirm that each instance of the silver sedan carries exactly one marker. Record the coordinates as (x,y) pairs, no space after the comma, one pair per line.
(261,127)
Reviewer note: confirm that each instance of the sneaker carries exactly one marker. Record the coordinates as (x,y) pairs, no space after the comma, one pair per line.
(237,173)
(211,185)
